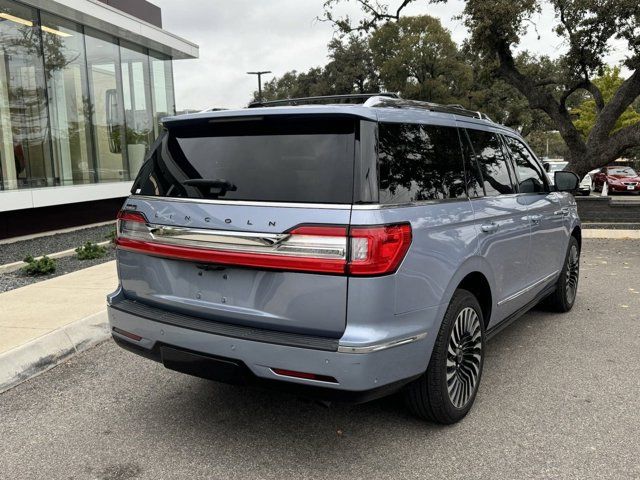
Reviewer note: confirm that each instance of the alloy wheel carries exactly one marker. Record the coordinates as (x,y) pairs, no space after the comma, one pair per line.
(573,270)
(464,357)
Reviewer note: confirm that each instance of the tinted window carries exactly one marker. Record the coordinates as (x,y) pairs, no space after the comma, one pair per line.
(419,162)
(303,160)
(474,177)
(491,162)
(530,178)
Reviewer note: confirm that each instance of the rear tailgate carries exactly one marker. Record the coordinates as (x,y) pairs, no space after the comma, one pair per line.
(207,247)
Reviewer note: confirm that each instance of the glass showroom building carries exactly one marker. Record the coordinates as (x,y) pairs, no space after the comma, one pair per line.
(83,85)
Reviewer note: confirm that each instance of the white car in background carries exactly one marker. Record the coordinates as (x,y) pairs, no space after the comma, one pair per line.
(585,185)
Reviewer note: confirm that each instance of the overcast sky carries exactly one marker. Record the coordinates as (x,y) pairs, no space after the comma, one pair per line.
(278,35)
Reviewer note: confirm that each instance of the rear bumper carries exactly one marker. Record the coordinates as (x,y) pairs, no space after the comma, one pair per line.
(624,188)
(367,373)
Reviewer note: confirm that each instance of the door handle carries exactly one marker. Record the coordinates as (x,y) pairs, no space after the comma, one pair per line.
(489,227)
(564,211)
(535,219)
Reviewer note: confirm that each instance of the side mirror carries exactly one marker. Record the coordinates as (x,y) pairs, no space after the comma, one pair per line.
(566,181)
(546,166)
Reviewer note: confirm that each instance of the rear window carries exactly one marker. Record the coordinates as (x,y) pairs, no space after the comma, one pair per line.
(262,159)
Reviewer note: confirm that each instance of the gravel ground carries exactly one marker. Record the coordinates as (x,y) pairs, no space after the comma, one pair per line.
(17,279)
(16,251)
(558,400)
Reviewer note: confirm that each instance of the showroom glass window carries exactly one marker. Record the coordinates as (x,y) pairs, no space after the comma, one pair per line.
(107,114)
(69,105)
(138,115)
(162,88)
(25,151)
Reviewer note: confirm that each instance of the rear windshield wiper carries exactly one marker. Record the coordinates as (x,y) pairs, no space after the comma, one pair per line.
(216,187)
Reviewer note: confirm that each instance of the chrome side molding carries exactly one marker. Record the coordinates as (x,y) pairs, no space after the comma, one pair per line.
(526,289)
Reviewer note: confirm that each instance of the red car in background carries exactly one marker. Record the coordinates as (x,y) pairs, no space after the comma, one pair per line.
(618,179)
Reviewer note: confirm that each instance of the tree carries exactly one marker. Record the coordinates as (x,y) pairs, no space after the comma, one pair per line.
(586,112)
(417,57)
(547,143)
(350,70)
(587,28)
(293,84)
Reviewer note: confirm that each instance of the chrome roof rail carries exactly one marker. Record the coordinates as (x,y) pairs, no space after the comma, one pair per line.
(322,100)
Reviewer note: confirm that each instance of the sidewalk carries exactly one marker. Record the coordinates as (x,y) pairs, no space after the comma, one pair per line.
(44,323)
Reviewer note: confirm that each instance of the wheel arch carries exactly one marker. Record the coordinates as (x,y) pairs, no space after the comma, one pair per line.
(478,285)
(476,276)
(577,234)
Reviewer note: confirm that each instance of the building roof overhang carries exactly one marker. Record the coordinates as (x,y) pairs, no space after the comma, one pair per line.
(110,20)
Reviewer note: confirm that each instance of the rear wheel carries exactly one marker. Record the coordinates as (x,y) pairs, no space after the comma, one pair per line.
(564,296)
(446,391)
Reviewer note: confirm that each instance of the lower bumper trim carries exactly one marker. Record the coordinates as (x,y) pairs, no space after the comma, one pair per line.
(380,346)
(233,371)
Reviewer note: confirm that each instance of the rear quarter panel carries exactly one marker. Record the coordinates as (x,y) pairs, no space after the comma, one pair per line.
(413,299)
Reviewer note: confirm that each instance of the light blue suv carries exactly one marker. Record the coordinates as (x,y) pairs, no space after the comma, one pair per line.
(343,251)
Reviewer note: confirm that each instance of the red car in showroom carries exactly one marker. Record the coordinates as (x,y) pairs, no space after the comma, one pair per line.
(618,179)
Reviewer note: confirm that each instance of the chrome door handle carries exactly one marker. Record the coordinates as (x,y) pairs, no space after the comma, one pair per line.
(564,211)
(489,227)
(535,219)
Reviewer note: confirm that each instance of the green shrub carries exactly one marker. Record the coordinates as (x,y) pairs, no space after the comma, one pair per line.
(42,266)
(89,251)
(111,236)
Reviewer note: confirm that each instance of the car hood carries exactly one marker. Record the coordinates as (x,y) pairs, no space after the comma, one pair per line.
(622,178)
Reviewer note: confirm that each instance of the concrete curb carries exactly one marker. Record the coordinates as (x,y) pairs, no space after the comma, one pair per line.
(45,352)
(12,267)
(613,234)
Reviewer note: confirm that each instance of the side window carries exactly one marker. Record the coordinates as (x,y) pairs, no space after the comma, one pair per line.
(419,162)
(530,178)
(491,162)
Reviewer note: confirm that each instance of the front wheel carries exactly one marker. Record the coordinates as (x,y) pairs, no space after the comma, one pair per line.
(564,296)
(446,391)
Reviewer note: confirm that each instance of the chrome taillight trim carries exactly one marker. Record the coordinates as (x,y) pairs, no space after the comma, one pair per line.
(284,244)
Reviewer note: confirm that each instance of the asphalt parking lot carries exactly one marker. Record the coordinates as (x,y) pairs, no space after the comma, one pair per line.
(560,398)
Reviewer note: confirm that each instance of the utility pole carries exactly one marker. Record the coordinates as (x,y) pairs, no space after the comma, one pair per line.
(259,74)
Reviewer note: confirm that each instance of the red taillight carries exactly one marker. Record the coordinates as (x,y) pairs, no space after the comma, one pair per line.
(304,375)
(132,225)
(337,250)
(378,250)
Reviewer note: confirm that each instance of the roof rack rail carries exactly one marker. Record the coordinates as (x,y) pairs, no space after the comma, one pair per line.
(434,107)
(325,99)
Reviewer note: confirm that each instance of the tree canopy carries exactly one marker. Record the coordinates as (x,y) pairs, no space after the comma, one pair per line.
(588,29)
(417,57)
(586,112)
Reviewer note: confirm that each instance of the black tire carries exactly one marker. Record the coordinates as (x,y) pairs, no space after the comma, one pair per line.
(564,296)
(429,397)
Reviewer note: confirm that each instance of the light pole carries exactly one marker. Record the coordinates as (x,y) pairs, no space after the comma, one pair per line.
(259,74)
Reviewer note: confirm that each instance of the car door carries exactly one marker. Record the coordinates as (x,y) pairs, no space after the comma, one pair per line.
(547,212)
(500,217)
